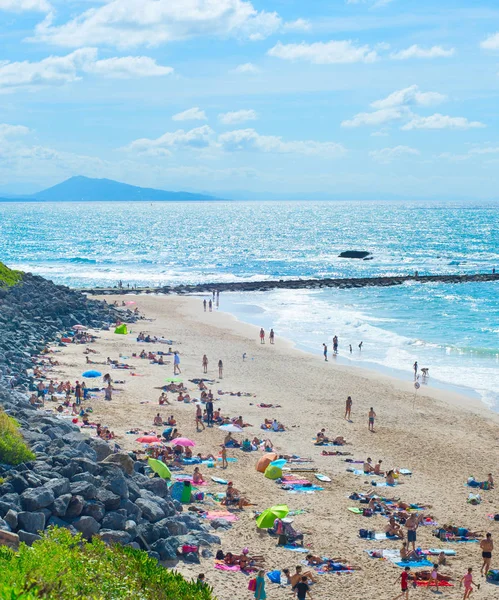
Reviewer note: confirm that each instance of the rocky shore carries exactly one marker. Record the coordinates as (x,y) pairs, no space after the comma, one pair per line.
(76,481)
(297,284)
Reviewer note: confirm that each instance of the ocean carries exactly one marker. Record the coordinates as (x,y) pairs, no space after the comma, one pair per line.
(451,329)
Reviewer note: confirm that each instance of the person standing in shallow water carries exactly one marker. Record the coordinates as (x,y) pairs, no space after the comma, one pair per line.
(415,367)
(262,336)
(210,305)
(335,344)
(325,351)
(204,304)
(271,336)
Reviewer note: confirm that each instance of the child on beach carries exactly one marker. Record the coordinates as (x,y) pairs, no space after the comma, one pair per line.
(404,583)
(372,416)
(468,583)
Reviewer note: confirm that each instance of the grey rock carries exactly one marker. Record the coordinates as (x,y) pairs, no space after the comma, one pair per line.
(220,524)
(150,510)
(117,484)
(32,522)
(88,477)
(4,526)
(11,519)
(89,466)
(114,520)
(56,522)
(75,507)
(28,538)
(111,501)
(94,509)
(165,551)
(122,460)
(191,557)
(154,555)
(36,498)
(131,528)
(18,482)
(148,533)
(101,447)
(157,486)
(59,486)
(207,539)
(132,510)
(61,504)
(84,489)
(114,537)
(173,526)
(88,526)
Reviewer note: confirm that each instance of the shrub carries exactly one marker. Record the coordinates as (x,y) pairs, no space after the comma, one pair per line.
(8,277)
(64,567)
(13,449)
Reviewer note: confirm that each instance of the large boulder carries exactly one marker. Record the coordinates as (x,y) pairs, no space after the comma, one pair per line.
(101,447)
(59,486)
(94,509)
(114,520)
(61,504)
(11,519)
(28,538)
(111,501)
(150,510)
(32,522)
(75,507)
(164,549)
(87,526)
(157,486)
(172,526)
(114,537)
(34,499)
(84,489)
(122,460)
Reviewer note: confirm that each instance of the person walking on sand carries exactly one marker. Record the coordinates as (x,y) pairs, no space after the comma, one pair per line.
(404,583)
(176,363)
(199,417)
(468,583)
(220,369)
(415,367)
(209,412)
(260,586)
(262,336)
(372,416)
(271,336)
(348,408)
(486,546)
(205,363)
(325,351)
(210,305)
(204,304)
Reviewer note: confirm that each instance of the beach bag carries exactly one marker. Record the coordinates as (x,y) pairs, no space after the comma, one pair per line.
(493,575)
(186,548)
(367,512)
(363,533)
(274,576)
(496,517)
(252,585)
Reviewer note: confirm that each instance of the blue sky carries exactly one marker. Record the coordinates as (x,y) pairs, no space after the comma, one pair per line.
(365,98)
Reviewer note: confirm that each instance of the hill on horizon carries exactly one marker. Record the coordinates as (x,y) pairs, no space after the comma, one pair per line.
(87,189)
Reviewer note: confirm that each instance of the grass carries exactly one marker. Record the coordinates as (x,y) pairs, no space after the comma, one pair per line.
(13,449)
(8,277)
(64,567)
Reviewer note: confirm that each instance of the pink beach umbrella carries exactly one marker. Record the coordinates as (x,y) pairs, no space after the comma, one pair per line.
(78,327)
(182,442)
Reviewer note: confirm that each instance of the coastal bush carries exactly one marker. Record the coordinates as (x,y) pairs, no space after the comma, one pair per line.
(64,567)
(8,277)
(13,449)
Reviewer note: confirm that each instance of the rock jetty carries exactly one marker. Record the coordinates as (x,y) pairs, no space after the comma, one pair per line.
(76,481)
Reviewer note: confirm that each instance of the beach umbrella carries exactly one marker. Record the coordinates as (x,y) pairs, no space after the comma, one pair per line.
(280,462)
(160,468)
(265,460)
(78,327)
(148,439)
(121,329)
(267,518)
(273,472)
(231,427)
(174,379)
(182,442)
(92,374)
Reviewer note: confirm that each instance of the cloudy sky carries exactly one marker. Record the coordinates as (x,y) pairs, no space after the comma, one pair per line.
(361,98)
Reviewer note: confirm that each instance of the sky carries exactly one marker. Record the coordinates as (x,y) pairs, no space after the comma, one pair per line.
(253,99)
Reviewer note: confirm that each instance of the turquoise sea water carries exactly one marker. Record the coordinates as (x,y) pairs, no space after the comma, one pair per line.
(452,329)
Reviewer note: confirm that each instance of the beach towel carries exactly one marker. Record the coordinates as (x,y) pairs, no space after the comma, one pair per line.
(221,566)
(220,514)
(295,548)
(220,481)
(405,472)
(440,584)
(437,551)
(414,564)
(384,536)
(309,489)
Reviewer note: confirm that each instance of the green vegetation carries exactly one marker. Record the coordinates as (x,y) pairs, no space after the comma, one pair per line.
(64,567)
(13,449)
(8,277)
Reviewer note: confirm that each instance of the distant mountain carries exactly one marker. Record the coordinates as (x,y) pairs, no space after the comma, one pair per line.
(85,189)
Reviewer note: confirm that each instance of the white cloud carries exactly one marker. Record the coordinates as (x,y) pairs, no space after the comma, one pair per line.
(416,51)
(9,131)
(491,43)
(388,155)
(25,5)
(410,96)
(438,121)
(323,53)
(249,140)
(246,68)
(298,25)
(376,118)
(128,66)
(380,133)
(238,116)
(57,70)
(200,137)
(130,23)
(191,114)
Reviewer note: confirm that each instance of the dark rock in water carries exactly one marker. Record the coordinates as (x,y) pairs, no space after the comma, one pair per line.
(354,254)
(114,537)
(88,526)
(32,522)
(36,498)
(28,538)
(165,551)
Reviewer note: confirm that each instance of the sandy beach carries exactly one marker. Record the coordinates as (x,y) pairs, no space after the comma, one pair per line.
(439,436)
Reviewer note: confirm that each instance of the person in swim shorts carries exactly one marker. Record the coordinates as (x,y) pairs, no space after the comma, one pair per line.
(404,583)
(372,416)
(486,545)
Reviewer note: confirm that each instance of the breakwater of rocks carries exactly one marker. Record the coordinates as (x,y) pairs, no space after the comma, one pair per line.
(296,284)
(77,481)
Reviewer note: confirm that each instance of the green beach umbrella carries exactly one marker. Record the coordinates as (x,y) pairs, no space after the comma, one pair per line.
(267,518)
(121,329)
(160,468)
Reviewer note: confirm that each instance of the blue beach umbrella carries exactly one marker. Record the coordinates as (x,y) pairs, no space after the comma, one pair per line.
(92,374)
